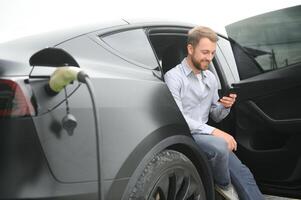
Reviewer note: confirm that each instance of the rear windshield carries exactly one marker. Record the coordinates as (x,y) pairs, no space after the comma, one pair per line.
(272,39)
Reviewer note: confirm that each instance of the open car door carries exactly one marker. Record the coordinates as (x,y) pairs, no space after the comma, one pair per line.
(267,50)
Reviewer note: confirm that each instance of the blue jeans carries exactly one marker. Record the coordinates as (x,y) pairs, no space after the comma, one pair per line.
(227,167)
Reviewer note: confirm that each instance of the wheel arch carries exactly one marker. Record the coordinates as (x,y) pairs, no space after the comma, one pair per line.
(179,140)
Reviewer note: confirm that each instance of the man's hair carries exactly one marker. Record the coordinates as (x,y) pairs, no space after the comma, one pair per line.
(199,32)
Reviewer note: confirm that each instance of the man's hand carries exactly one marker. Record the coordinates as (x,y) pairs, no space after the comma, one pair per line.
(232,145)
(228,101)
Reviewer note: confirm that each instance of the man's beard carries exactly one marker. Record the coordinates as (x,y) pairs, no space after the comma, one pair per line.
(198,65)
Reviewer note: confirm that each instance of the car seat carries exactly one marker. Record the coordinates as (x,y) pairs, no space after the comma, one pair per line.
(172,56)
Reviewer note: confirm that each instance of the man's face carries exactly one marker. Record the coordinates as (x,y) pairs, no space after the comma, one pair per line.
(202,54)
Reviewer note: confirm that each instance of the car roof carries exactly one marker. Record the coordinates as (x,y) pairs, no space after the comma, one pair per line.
(56,37)
(16,53)
(30,44)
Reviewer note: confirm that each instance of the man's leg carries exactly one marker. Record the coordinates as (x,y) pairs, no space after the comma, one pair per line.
(243,180)
(217,153)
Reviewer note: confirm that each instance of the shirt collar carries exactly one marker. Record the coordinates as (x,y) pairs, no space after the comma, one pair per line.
(188,70)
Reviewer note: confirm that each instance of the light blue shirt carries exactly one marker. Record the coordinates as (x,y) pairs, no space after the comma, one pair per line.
(195,102)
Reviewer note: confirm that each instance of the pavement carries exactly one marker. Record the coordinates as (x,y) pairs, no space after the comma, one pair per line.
(269,197)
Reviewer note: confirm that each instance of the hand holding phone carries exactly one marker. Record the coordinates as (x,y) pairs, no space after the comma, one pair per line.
(229,91)
(229,98)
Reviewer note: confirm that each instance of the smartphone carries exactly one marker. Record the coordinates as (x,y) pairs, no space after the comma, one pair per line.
(229,91)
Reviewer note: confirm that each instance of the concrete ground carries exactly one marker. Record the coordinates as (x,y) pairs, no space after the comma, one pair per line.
(269,197)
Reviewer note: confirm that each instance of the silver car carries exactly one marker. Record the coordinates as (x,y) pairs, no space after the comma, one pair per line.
(140,147)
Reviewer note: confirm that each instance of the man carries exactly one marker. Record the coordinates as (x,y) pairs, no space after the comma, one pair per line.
(195,90)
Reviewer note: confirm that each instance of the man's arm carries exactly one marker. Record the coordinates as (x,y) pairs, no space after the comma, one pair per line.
(174,85)
(218,111)
(220,108)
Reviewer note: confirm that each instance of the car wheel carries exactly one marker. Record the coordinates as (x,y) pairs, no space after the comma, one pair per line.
(169,175)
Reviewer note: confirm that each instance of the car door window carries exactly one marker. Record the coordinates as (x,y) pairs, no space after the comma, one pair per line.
(272,40)
(169,46)
(133,45)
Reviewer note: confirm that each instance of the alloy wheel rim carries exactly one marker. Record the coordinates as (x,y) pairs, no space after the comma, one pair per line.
(178,184)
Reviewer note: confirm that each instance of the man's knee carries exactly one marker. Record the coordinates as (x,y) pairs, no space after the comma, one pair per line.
(214,147)
(221,146)
(221,150)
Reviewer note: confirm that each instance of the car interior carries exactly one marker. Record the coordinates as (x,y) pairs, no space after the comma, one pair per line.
(170,49)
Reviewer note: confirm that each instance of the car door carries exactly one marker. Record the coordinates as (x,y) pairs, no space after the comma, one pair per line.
(267,50)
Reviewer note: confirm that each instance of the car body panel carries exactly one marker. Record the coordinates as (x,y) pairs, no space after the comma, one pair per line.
(121,106)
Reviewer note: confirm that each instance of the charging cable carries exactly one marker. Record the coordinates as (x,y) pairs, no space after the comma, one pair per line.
(63,76)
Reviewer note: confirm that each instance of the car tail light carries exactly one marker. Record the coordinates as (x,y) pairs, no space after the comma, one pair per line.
(13,101)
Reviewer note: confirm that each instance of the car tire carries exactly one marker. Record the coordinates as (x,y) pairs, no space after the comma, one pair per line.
(169,175)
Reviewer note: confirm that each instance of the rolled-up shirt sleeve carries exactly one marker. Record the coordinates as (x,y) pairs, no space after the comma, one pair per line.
(174,85)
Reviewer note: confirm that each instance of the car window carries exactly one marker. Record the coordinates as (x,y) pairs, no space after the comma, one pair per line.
(169,48)
(272,39)
(134,46)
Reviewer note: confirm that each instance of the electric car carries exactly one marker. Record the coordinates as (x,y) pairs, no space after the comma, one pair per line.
(137,144)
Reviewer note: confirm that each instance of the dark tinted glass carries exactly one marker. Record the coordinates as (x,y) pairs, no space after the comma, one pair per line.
(134,46)
(272,39)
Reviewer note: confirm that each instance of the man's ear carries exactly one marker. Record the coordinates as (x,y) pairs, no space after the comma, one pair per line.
(190,49)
